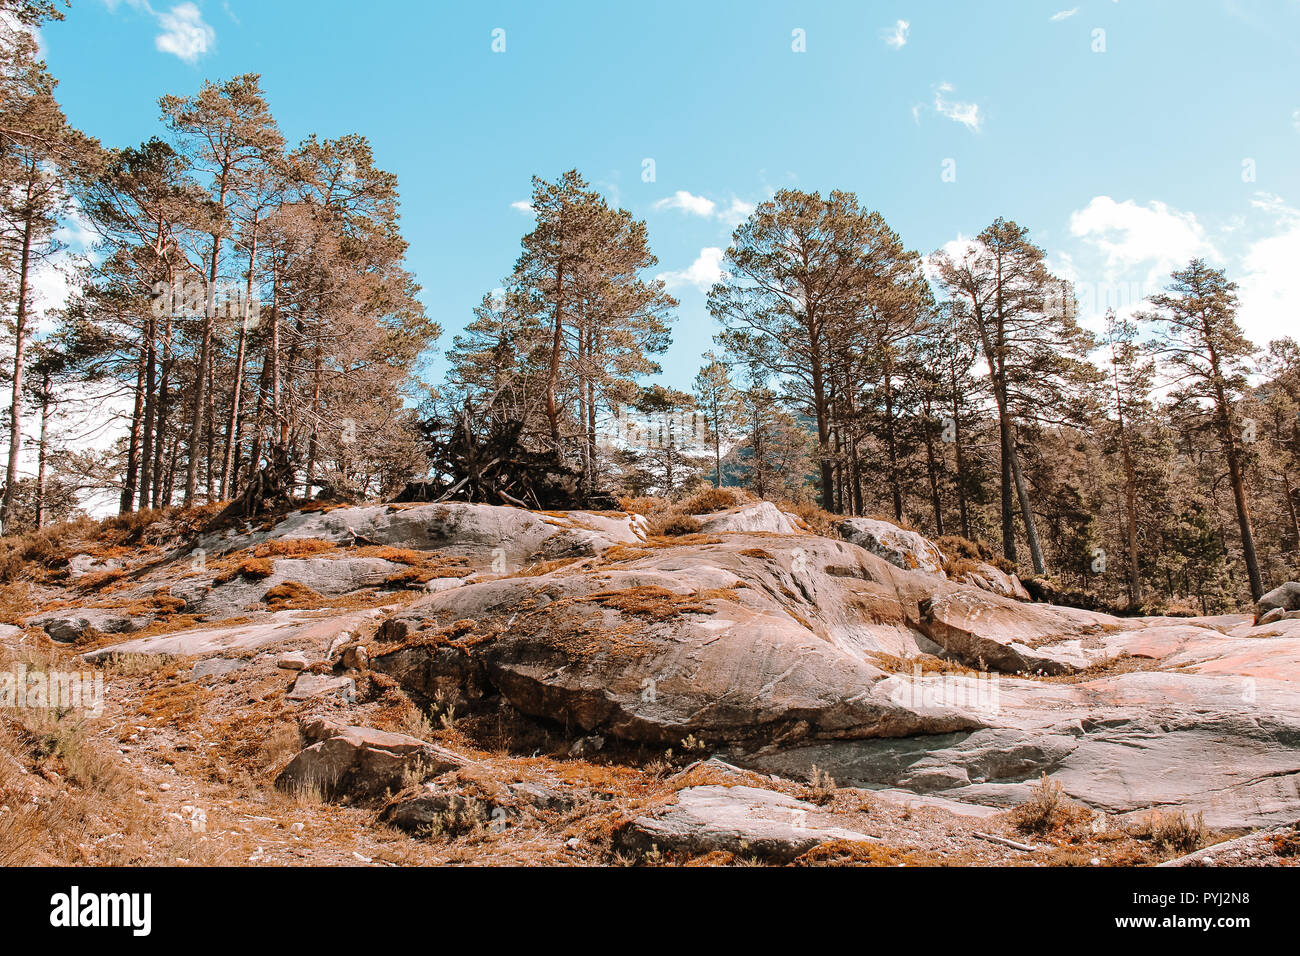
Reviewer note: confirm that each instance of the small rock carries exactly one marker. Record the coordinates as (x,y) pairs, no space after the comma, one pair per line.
(293,661)
(447,811)
(356,658)
(215,667)
(586,745)
(310,685)
(544,798)
(1276,614)
(443,584)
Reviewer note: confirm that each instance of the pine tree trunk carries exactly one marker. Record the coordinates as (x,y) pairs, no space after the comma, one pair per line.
(20,356)
(126,503)
(1130,507)
(557,345)
(42,452)
(236,389)
(205,357)
(828,499)
(932,469)
(895,484)
(150,417)
(1237,479)
(1027,512)
(1289,494)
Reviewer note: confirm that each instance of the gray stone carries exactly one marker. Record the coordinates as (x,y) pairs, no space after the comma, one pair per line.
(1227,748)
(541,797)
(992,578)
(1276,615)
(433,809)
(741,820)
(763,516)
(68,627)
(474,531)
(360,761)
(80,565)
(267,630)
(981,628)
(1286,597)
(329,577)
(309,685)
(788,653)
(903,549)
(216,667)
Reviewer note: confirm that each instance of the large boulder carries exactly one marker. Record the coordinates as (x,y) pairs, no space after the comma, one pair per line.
(761,517)
(83,565)
(755,638)
(1286,597)
(266,630)
(360,761)
(1225,747)
(981,628)
(744,821)
(989,577)
(328,576)
(485,534)
(908,550)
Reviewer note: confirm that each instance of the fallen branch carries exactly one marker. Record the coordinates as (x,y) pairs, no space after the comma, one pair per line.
(1022,847)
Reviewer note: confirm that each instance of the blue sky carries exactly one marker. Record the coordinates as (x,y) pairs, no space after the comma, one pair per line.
(1175,131)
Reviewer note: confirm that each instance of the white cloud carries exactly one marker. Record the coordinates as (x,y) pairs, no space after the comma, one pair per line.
(968,114)
(1064,14)
(1270,282)
(1295,120)
(1130,236)
(184,32)
(702,273)
(688,203)
(524,206)
(736,213)
(896,36)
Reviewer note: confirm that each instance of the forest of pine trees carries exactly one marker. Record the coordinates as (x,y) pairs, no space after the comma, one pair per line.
(246,311)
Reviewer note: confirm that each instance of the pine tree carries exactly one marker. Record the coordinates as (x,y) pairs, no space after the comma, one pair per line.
(715,397)
(1206,354)
(1034,349)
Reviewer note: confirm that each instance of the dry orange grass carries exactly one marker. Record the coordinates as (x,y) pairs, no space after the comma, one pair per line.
(292,548)
(100,580)
(660,603)
(715,499)
(252,568)
(292,595)
(855,853)
(928,663)
(672,524)
(811,517)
